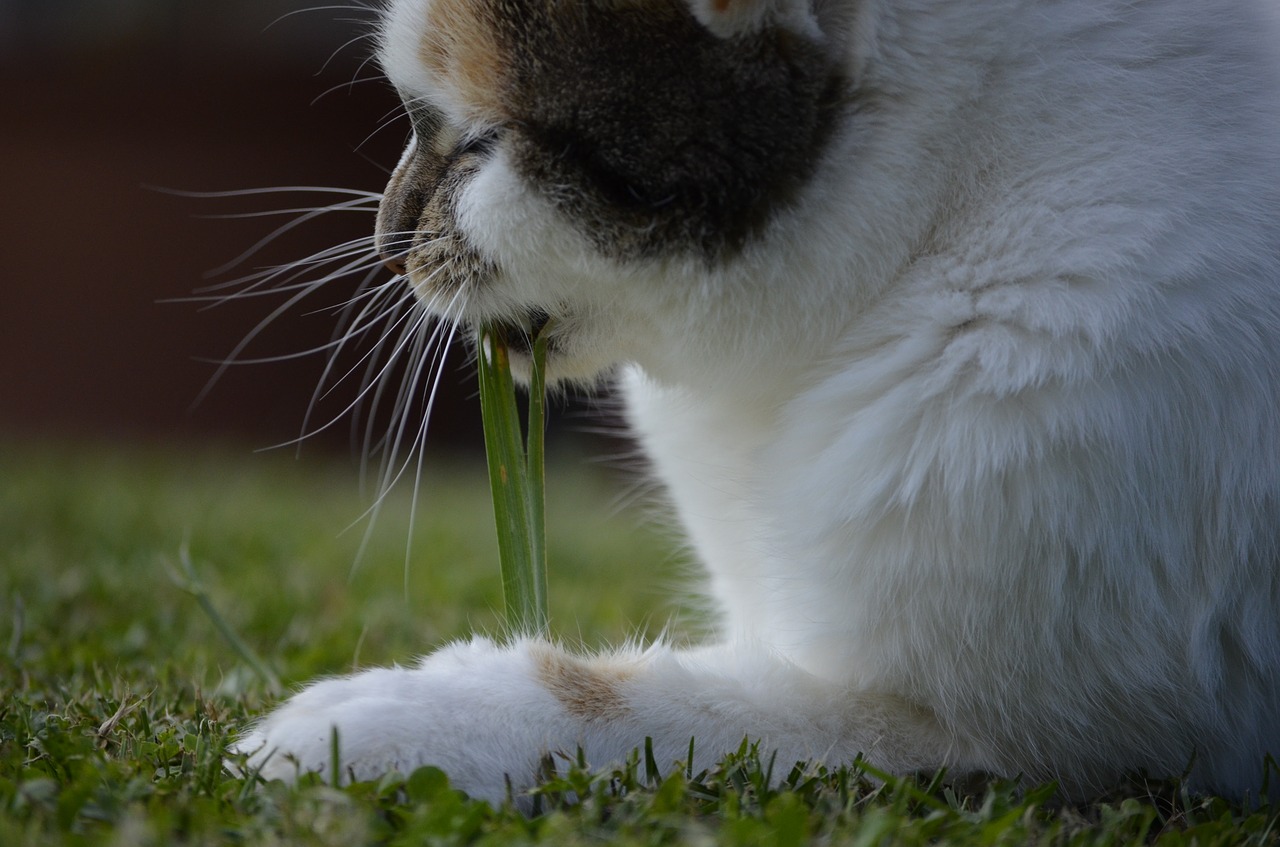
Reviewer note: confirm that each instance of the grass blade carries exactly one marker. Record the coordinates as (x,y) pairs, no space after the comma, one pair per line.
(189,582)
(535,474)
(516,483)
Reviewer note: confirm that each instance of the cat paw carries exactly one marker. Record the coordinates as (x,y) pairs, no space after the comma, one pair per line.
(474,709)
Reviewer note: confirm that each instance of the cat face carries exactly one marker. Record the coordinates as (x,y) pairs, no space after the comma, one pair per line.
(565,152)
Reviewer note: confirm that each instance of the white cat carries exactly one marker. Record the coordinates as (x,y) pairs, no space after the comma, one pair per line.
(952,328)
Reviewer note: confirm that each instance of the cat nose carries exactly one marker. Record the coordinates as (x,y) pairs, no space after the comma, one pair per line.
(394,262)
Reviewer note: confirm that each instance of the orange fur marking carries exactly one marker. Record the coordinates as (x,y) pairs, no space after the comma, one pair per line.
(461,48)
(588,690)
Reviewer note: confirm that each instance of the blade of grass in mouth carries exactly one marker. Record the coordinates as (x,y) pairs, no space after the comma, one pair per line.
(516,479)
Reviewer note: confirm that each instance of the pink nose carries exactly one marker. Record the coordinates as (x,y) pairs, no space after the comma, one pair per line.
(394,263)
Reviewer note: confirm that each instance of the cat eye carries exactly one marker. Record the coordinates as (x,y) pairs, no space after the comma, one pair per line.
(426,119)
(479,144)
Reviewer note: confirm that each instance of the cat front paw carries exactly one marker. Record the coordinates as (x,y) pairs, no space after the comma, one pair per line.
(474,709)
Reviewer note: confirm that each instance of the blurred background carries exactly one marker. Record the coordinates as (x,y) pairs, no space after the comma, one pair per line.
(115,114)
(113,109)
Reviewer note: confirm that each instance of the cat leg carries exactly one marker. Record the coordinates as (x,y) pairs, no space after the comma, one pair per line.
(488,714)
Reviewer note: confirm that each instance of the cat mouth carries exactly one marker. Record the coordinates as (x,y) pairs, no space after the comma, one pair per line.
(518,335)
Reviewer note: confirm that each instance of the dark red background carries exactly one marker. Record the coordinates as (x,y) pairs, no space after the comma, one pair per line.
(196,100)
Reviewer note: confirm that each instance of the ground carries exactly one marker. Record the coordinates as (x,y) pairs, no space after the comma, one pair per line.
(129,575)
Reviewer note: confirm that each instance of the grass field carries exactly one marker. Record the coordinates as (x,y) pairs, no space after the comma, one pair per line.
(118,693)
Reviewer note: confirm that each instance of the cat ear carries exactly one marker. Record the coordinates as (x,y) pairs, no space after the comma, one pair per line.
(729,18)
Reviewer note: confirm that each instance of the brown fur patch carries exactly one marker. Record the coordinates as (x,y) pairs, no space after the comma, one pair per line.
(589,689)
(460,47)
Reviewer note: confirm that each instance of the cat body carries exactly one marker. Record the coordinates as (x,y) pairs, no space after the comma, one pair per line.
(950,328)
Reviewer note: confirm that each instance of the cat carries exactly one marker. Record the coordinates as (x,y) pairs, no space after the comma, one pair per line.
(952,330)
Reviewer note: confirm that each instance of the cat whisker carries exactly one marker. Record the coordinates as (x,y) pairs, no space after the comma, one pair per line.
(305,291)
(348,7)
(392,315)
(419,444)
(428,352)
(423,342)
(412,319)
(253,192)
(365,36)
(335,346)
(280,281)
(390,119)
(372,265)
(276,233)
(363,205)
(279,278)
(402,341)
(349,84)
(371,57)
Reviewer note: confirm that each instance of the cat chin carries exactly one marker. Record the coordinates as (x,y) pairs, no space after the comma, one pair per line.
(572,356)
(562,370)
(570,362)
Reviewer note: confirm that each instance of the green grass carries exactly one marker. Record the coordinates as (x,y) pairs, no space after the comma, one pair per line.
(118,694)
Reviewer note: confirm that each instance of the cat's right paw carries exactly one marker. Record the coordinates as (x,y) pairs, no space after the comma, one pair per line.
(474,709)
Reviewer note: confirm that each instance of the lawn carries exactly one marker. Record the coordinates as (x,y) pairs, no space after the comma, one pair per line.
(119,692)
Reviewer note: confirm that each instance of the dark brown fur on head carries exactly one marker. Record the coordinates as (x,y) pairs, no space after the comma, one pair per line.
(650,133)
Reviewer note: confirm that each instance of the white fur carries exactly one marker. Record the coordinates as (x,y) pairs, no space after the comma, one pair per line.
(979,442)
